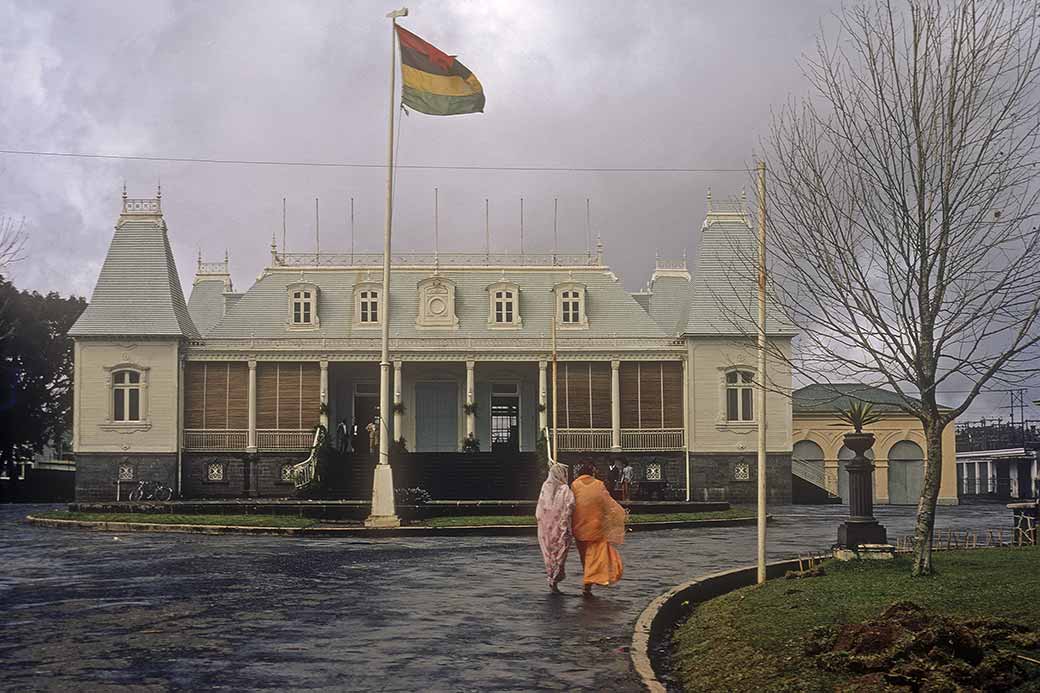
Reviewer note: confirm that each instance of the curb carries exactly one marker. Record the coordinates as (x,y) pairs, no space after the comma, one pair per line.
(667,609)
(325,532)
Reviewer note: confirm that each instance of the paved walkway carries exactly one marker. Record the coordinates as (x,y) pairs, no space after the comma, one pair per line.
(83,610)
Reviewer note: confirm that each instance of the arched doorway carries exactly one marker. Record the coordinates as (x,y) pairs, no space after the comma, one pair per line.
(905,473)
(844,457)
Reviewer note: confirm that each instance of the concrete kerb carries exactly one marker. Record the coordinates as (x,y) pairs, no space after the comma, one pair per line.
(664,612)
(409,531)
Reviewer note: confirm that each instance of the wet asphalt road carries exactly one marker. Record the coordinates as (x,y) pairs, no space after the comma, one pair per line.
(84,610)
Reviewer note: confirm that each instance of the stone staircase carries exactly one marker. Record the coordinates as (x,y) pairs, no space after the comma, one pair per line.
(809,485)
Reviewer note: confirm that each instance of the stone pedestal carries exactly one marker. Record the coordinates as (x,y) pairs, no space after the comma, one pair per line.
(861,527)
(384,514)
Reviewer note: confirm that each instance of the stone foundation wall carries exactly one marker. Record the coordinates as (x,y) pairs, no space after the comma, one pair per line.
(240,475)
(713,476)
(97,473)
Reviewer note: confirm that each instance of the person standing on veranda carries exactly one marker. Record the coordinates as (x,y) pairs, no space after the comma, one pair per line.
(553,512)
(598,525)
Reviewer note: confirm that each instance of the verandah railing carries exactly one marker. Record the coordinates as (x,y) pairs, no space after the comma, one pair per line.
(236,440)
(599,439)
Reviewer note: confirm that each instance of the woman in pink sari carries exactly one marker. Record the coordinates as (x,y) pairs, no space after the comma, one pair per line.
(555,505)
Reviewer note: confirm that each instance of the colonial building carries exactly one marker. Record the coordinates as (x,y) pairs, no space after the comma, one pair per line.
(819,454)
(218,394)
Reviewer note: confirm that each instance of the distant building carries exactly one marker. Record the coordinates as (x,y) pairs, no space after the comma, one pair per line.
(819,455)
(997,460)
(219,394)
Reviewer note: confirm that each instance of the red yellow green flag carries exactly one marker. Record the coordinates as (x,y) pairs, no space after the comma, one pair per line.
(435,82)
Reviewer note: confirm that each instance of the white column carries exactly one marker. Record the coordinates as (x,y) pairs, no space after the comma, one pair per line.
(978,478)
(398,425)
(543,410)
(471,418)
(251,436)
(615,405)
(324,389)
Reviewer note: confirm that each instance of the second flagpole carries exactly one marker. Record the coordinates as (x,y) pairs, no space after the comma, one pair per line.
(384,512)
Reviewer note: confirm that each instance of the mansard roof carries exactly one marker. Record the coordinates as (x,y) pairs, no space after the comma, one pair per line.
(209,291)
(138,291)
(724,298)
(262,310)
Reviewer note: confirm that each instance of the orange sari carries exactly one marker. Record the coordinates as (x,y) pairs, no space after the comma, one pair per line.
(598,524)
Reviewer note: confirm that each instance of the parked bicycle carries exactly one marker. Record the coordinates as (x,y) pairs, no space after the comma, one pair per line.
(151,490)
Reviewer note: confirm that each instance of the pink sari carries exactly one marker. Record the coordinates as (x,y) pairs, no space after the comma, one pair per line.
(555,505)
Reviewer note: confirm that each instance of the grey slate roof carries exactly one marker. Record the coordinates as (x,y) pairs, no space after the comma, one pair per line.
(262,312)
(726,274)
(206,303)
(138,291)
(823,399)
(670,302)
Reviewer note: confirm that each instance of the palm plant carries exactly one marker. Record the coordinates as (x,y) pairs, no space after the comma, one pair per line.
(859,415)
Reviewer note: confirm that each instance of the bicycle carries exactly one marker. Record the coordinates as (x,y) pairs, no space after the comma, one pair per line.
(151,490)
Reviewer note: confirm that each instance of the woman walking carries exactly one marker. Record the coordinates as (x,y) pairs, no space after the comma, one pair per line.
(555,505)
(598,525)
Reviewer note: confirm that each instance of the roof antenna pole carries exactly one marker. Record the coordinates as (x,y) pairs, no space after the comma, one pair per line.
(521,230)
(283,226)
(317,237)
(436,225)
(487,234)
(588,229)
(556,244)
(352,230)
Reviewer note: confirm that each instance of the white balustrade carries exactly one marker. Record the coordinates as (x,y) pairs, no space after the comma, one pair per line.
(652,438)
(215,440)
(284,439)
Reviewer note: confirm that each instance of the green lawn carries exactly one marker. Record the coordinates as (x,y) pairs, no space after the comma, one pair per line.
(476,520)
(754,638)
(167,519)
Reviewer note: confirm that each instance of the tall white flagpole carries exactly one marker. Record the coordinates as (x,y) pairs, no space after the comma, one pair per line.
(384,514)
(761,372)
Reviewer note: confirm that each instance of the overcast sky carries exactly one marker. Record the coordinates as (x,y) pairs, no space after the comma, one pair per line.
(589,84)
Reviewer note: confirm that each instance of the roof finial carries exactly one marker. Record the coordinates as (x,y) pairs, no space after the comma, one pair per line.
(599,249)
(124,190)
(158,191)
(227,259)
(199,269)
(709,198)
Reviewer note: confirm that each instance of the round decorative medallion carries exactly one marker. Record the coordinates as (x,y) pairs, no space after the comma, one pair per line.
(437,306)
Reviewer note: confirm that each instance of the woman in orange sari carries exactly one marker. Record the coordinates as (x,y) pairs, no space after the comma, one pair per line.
(598,524)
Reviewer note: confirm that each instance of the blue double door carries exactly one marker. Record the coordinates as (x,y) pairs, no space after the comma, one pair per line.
(436,417)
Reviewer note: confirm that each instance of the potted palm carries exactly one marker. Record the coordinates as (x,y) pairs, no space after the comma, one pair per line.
(861,527)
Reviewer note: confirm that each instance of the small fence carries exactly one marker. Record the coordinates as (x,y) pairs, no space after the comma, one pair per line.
(215,440)
(284,439)
(1022,534)
(600,439)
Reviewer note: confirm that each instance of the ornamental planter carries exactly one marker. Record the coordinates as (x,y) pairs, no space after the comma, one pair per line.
(861,527)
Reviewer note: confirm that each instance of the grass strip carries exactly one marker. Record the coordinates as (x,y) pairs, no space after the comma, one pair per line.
(528,520)
(754,638)
(171,519)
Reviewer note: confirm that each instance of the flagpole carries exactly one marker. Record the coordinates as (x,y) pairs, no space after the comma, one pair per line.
(761,372)
(384,514)
(555,401)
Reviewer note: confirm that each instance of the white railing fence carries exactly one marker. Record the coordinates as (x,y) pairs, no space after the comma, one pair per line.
(215,439)
(284,439)
(599,439)
(652,439)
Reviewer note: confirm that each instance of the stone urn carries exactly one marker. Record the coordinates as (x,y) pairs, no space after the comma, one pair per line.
(861,527)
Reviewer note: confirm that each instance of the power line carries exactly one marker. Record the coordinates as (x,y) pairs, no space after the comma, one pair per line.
(339,164)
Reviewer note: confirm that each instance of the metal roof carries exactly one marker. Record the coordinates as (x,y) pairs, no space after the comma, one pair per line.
(138,291)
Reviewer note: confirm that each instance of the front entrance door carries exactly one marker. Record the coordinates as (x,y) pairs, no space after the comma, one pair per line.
(366,409)
(436,417)
(505,418)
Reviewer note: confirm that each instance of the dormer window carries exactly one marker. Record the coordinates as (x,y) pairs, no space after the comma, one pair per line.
(570,306)
(303,305)
(369,307)
(504,307)
(368,310)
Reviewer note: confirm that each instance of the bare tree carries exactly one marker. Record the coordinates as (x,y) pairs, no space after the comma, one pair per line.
(903,209)
(13,237)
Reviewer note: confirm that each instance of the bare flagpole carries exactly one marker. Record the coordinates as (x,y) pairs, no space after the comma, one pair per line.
(384,514)
(761,372)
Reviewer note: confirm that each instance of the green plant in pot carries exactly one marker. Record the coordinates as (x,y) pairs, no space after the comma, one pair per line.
(859,415)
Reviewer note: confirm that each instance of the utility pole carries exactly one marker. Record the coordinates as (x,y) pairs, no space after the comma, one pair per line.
(761,372)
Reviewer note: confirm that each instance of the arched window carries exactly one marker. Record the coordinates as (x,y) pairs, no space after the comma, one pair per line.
(740,396)
(126,395)
(303,305)
(570,306)
(504,308)
(367,309)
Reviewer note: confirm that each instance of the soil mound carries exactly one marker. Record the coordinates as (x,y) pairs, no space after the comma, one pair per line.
(909,647)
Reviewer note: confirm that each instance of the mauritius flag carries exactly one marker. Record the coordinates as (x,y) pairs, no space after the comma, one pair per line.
(435,82)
